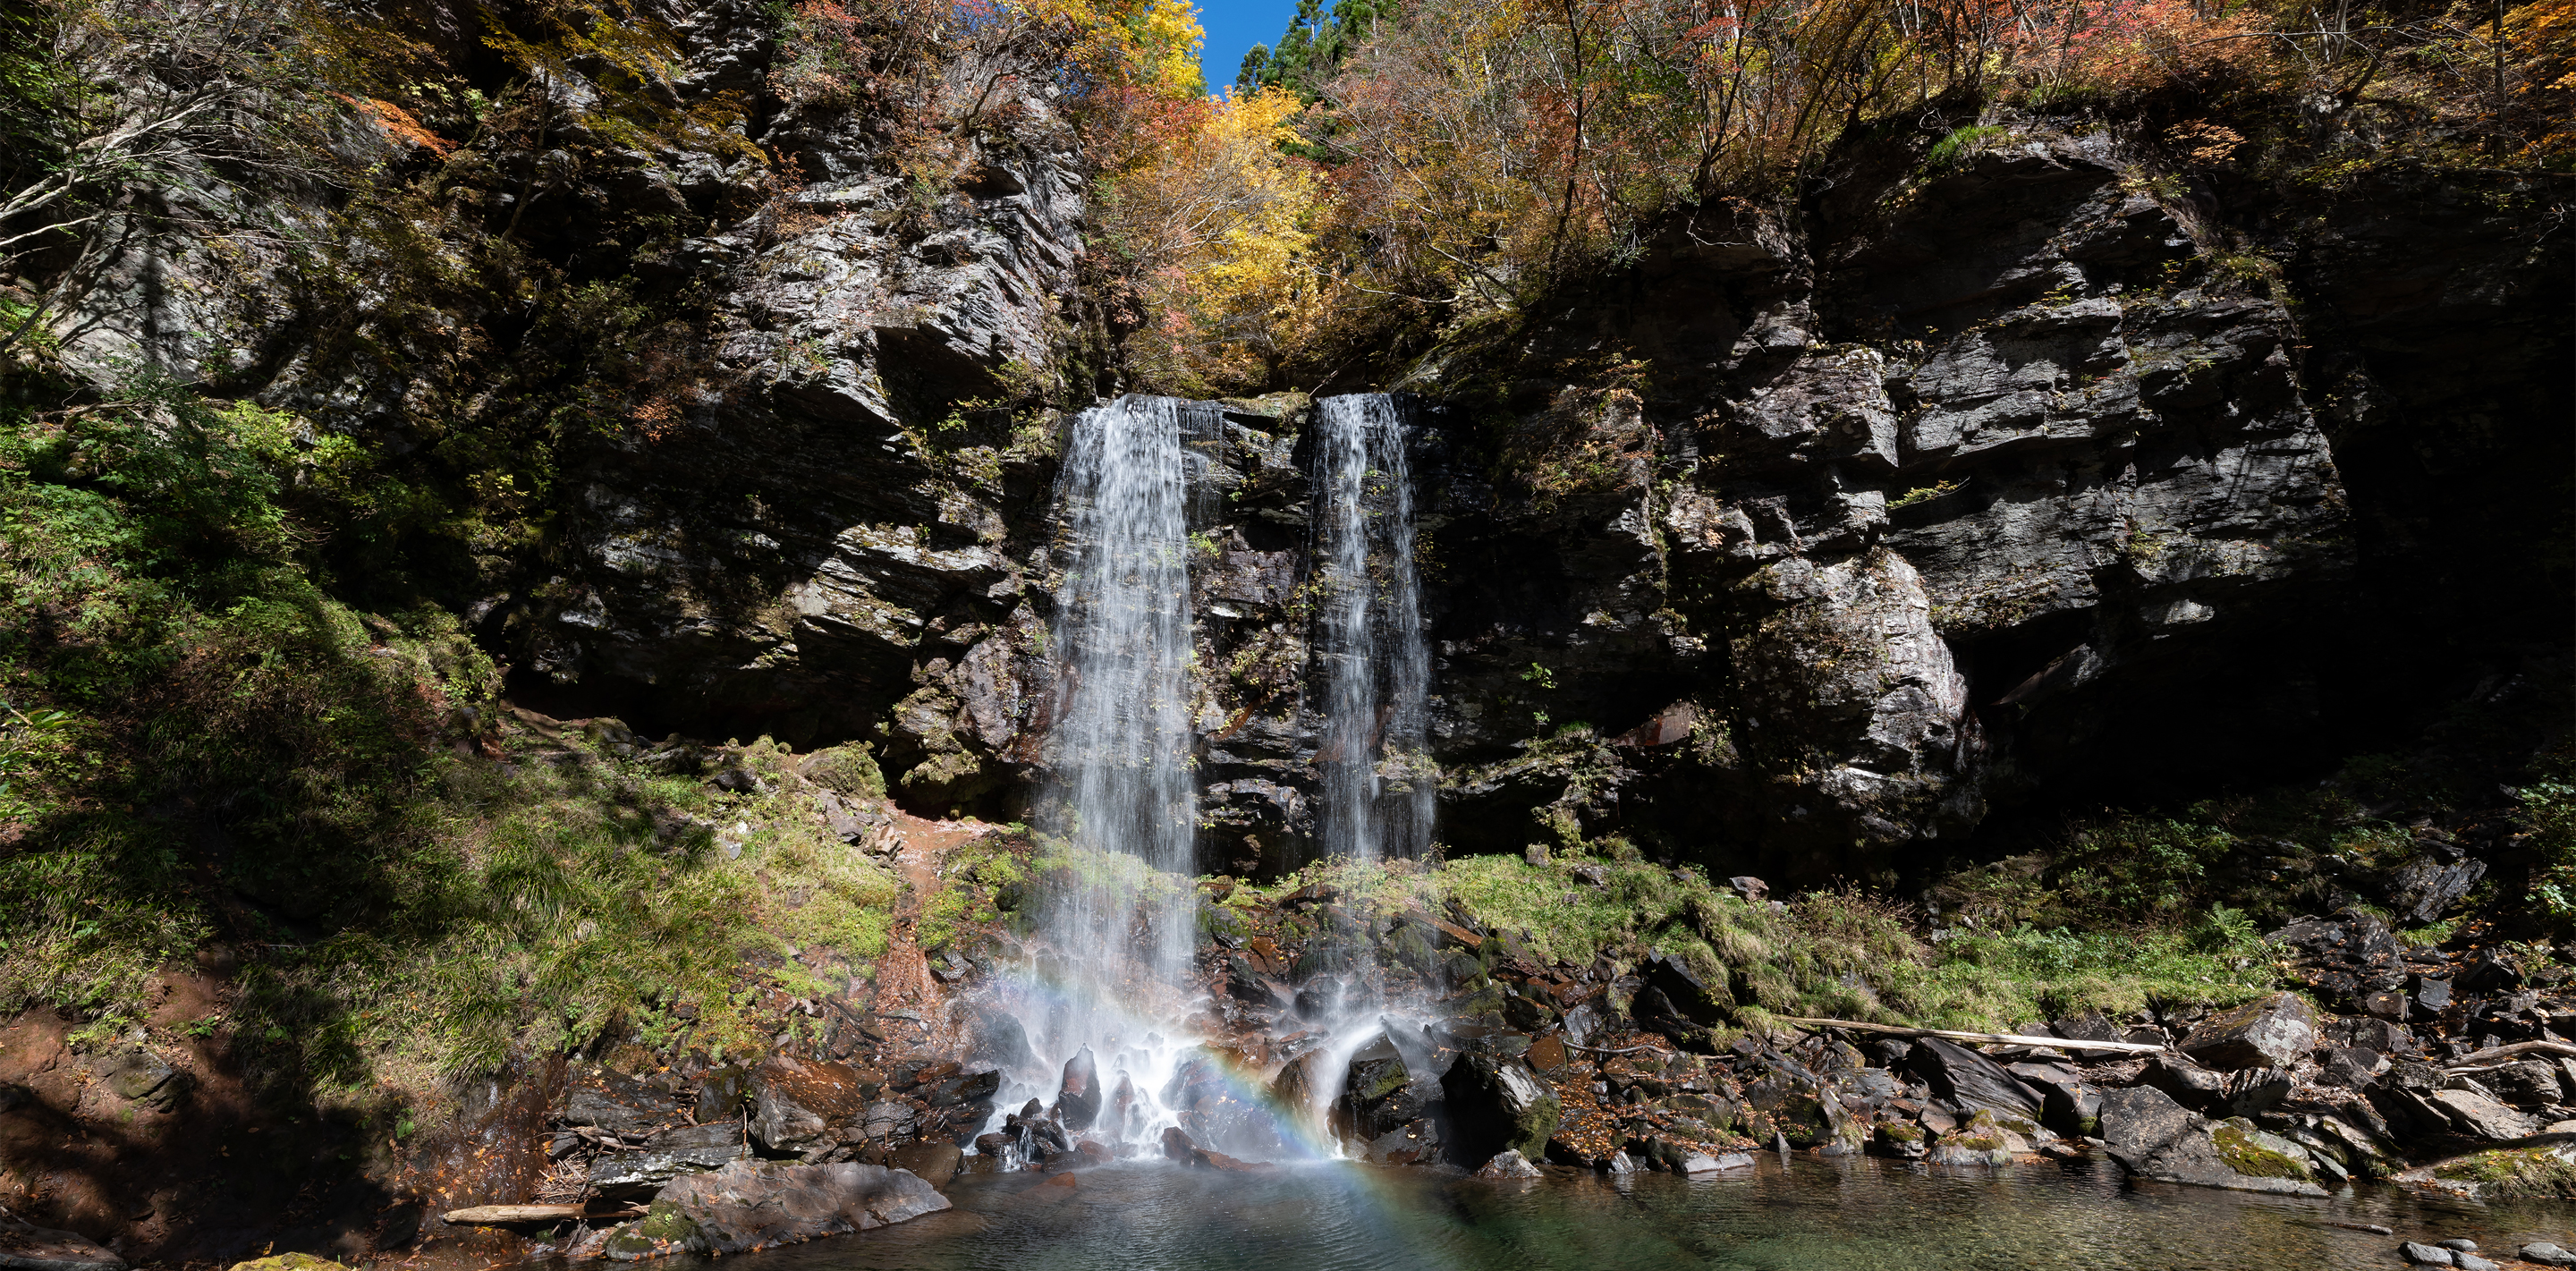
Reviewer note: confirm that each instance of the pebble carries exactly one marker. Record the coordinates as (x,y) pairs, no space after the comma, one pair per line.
(2426,1255)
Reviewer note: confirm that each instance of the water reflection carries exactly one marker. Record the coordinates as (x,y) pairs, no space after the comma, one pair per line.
(1861,1215)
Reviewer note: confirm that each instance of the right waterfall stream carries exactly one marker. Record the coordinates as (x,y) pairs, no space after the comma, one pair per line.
(1378,782)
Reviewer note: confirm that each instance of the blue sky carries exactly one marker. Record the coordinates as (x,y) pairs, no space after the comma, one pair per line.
(1236,25)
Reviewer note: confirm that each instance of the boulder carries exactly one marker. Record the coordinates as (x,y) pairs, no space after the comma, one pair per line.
(1972,1081)
(1077,1100)
(28,1247)
(2529,1084)
(1507,1164)
(2547,1254)
(2270,1032)
(932,1163)
(1380,1094)
(665,1156)
(800,1104)
(2071,1104)
(1414,1143)
(1495,1104)
(967,1087)
(2188,1083)
(2487,1118)
(2155,1137)
(751,1205)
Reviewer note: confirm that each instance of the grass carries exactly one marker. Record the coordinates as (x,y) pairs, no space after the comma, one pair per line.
(2535,1173)
(212,760)
(1842,954)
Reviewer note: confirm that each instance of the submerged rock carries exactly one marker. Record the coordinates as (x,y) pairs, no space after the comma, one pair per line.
(751,1205)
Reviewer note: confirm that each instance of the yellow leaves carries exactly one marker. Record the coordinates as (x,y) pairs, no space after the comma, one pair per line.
(1214,218)
(1149,45)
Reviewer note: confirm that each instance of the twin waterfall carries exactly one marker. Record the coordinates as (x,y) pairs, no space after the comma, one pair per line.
(1109,1006)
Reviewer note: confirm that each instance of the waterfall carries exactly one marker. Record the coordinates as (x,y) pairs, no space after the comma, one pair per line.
(1102,1007)
(1121,730)
(1378,782)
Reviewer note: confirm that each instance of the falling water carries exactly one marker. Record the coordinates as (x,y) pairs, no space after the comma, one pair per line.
(1378,783)
(1103,1003)
(1112,1018)
(1122,638)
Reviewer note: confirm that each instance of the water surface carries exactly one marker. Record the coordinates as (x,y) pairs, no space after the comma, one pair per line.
(1863,1215)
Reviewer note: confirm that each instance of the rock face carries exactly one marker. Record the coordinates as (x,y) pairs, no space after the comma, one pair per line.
(798,1104)
(758,1204)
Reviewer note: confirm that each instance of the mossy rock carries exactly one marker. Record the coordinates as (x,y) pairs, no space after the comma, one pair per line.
(1900,1132)
(2532,1173)
(290,1262)
(2240,1146)
(846,769)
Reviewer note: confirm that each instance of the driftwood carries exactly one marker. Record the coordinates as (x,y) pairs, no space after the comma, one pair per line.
(2007,1039)
(2518,1048)
(511,1215)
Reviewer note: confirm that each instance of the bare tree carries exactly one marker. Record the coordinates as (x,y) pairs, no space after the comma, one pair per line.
(106,105)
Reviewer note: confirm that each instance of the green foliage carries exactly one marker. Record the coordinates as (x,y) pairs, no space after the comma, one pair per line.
(2549,805)
(1962,145)
(848,769)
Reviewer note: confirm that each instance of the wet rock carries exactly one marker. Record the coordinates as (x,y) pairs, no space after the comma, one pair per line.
(2155,1137)
(2424,1254)
(970,1087)
(1414,1143)
(29,1247)
(1905,1142)
(1703,1163)
(2548,1255)
(2268,1032)
(798,1104)
(932,1163)
(619,1104)
(665,1156)
(1494,1104)
(751,1205)
(2472,1262)
(1621,1163)
(1507,1163)
(1077,1100)
(1380,1094)
(1970,1080)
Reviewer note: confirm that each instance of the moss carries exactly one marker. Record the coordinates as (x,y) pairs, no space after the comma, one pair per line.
(1900,1132)
(2536,1173)
(2238,1148)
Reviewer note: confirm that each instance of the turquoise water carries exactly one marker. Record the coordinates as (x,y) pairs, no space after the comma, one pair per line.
(1865,1215)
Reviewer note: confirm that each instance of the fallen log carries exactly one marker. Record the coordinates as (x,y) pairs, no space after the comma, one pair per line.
(513,1215)
(2517,1048)
(1945,1034)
